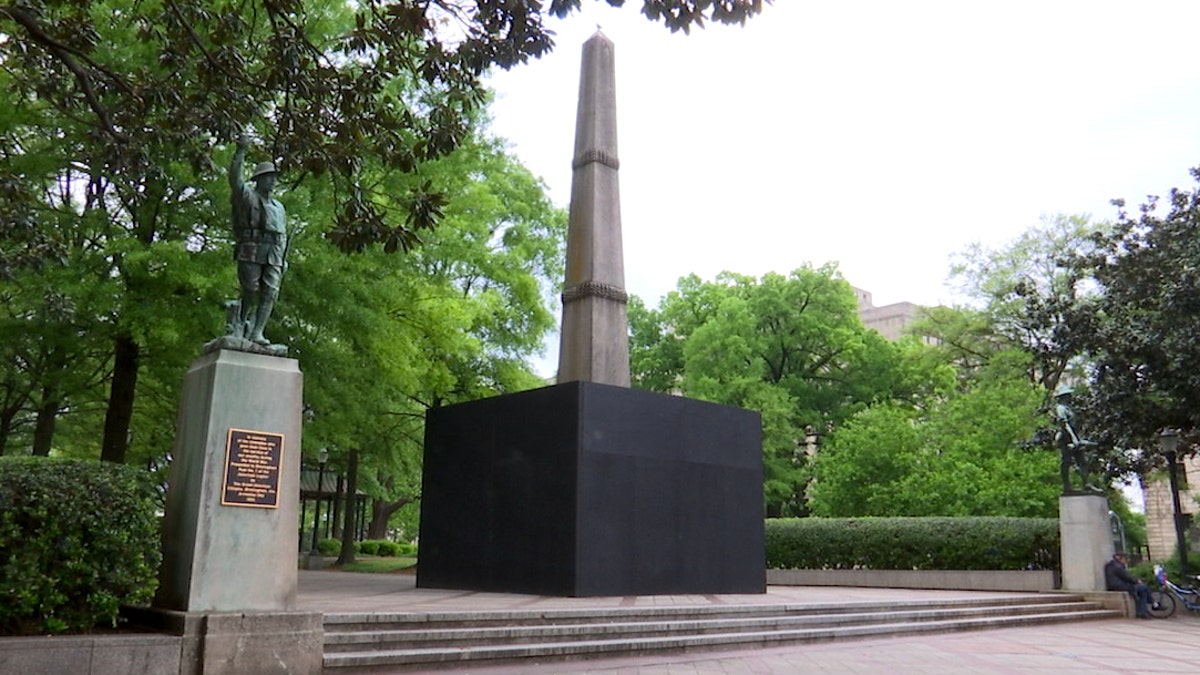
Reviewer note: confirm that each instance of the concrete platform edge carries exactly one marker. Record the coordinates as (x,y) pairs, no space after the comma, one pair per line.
(1032,581)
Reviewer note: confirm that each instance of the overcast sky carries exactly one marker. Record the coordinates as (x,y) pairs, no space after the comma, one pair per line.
(882,135)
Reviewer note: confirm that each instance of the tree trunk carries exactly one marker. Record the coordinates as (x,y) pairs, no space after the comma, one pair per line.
(336,505)
(381,513)
(43,430)
(6,425)
(126,355)
(347,554)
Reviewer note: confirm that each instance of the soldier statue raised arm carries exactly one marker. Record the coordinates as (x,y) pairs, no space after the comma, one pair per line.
(260,228)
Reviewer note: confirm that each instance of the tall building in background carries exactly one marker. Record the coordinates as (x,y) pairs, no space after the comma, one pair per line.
(889,320)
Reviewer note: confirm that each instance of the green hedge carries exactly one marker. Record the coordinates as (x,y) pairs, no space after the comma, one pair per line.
(329,547)
(372,547)
(383,547)
(913,543)
(77,540)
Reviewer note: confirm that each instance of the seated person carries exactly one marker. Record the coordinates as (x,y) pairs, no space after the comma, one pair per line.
(1118,578)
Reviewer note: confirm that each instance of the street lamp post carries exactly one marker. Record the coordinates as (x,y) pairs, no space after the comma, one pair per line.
(1168,440)
(1118,532)
(322,457)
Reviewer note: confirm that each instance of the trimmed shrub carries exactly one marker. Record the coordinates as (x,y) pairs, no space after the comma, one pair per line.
(913,543)
(79,539)
(406,549)
(380,547)
(329,547)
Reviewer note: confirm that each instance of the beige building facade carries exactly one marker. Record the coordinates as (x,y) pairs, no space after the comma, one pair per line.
(1160,512)
(889,320)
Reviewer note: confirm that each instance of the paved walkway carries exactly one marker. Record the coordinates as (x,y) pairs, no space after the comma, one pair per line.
(352,592)
(1086,647)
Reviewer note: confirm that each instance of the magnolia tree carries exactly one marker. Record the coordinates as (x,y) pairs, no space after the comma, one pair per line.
(112,115)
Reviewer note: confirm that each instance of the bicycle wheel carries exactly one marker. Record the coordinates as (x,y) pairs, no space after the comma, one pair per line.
(1162,605)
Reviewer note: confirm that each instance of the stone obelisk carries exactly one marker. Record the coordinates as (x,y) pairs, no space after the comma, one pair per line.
(590,487)
(594,343)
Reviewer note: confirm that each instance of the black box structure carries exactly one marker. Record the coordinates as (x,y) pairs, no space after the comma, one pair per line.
(584,489)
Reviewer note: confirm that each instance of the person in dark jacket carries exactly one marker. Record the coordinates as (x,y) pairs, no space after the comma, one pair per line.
(1118,578)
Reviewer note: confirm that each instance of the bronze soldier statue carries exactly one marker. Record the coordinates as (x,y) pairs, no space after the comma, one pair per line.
(260,227)
(1078,455)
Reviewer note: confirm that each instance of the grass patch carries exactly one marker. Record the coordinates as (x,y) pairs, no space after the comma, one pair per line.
(380,565)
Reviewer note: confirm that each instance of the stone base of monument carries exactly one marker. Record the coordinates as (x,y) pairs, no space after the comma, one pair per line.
(228,577)
(583,489)
(1086,541)
(233,643)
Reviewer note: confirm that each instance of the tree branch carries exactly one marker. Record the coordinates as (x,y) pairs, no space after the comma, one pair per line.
(67,56)
(195,39)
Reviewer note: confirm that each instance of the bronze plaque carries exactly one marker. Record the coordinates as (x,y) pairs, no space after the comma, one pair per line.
(252,463)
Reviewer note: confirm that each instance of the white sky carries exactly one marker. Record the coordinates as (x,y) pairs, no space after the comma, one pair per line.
(882,135)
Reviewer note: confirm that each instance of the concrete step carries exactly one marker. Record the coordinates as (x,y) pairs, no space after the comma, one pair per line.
(577,634)
(357,640)
(352,621)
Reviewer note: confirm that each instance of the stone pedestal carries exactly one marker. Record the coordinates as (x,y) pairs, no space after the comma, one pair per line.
(227,584)
(229,529)
(233,643)
(585,489)
(1086,541)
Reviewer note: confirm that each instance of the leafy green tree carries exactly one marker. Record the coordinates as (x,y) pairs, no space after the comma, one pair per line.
(155,82)
(965,338)
(964,455)
(384,339)
(1039,294)
(124,104)
(1143,348)
(790,347)
(858,469)
(1031,297)
(971,449)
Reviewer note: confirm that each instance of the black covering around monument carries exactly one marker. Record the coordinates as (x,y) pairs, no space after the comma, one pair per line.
(585,489)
